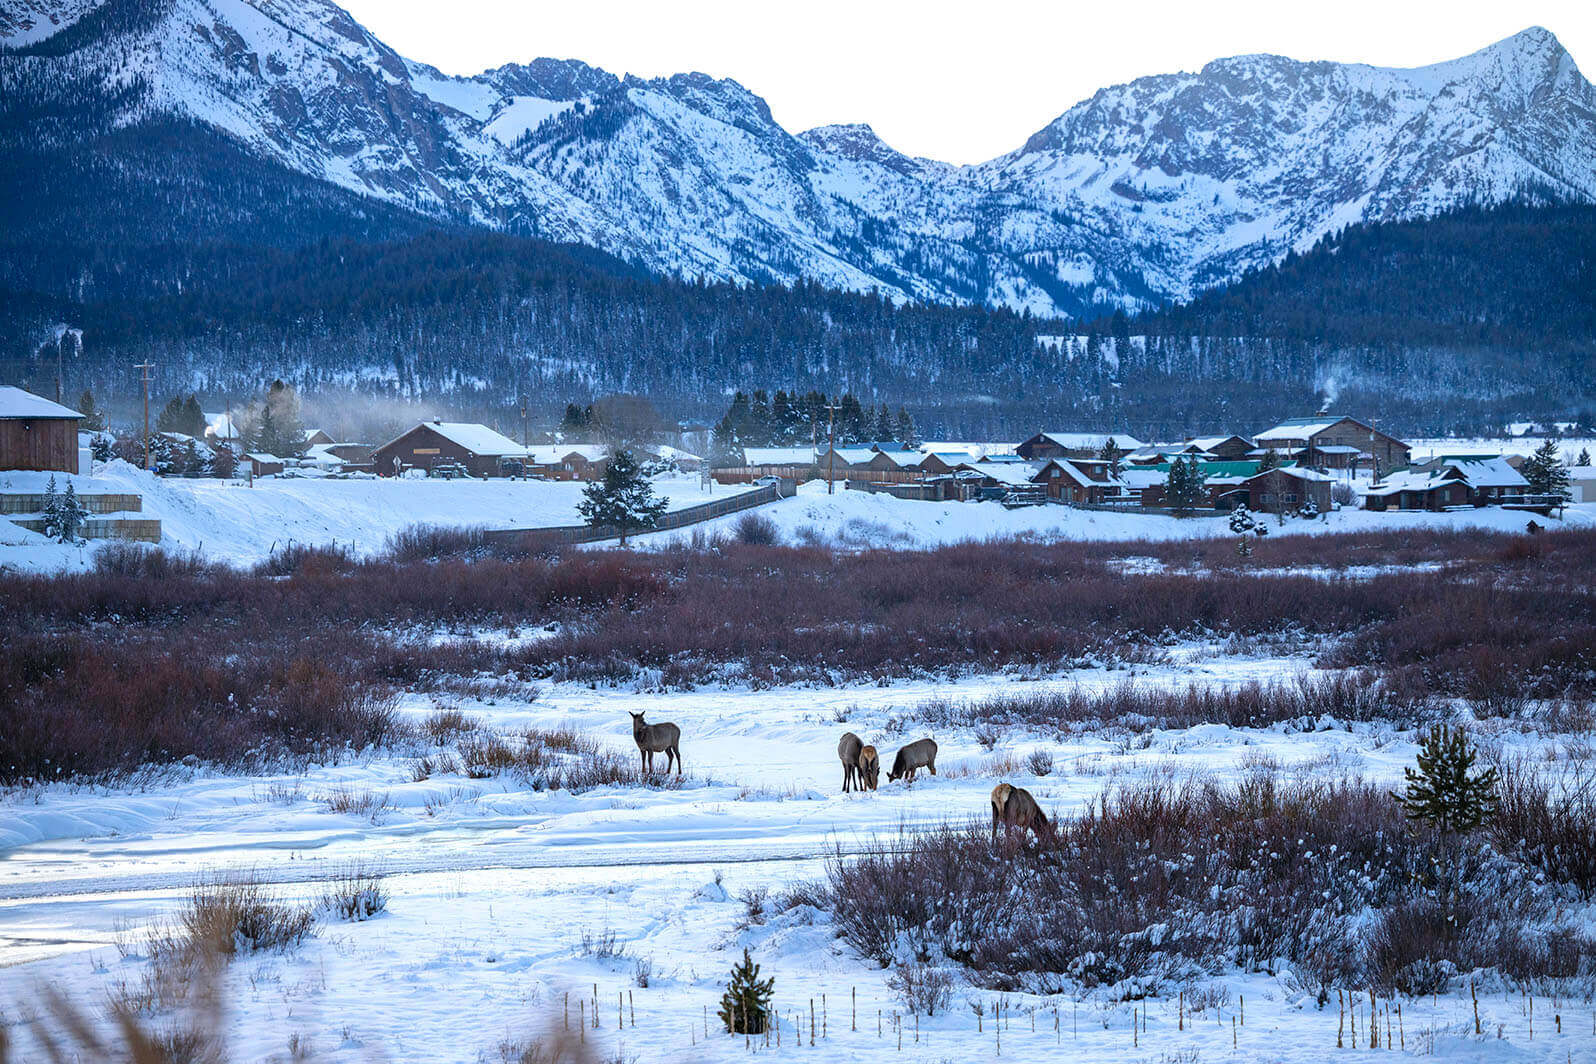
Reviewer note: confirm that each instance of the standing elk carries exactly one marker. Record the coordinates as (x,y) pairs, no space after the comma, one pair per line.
(653,739)
(1015,808)
(922,753)
(861,766)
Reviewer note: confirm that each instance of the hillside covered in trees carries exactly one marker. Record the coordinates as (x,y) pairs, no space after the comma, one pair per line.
(1455,324)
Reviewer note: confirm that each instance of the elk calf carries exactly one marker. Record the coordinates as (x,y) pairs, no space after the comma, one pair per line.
(922,753)
(1014,807)
(861,767)
(652,739)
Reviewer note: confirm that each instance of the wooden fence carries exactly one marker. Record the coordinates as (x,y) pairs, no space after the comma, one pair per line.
(14,502)
(560,535)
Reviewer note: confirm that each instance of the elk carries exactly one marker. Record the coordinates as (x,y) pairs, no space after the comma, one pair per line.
(1014,807)
(652,739)
(922,753)
(861,766)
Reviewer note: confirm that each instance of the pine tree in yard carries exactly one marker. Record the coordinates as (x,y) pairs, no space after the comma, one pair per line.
(71,516)
(93,419)
(1444,790)
(908,433)
(1184,488)
(1270,460)
(623,499)
(745,1007)
(1241,523)
(1584,457)
(52,509)
(1546,473)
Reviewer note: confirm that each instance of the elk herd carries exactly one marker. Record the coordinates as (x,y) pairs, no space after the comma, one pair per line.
(1013,807)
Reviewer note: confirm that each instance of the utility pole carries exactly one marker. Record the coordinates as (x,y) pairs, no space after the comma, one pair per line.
(526,445)
(831,447)
(145,368)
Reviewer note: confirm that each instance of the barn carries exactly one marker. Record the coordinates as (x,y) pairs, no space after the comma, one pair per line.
(435,443)
(36,433)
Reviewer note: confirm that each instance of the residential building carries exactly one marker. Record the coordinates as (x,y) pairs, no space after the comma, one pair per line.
(1329,441)
(37,433)
(481,451)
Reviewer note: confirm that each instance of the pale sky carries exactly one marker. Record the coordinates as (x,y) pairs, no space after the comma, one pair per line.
(957,82)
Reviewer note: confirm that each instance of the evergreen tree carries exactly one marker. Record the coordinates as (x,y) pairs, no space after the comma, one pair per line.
(191,421)
(907,433)
(622,499)
(886,428)
(1444,790)
(265,435)
(171,416)
(289,431)
(70,516)
(1584,457)
(1184,488)
(52,509)
(1269,460)
(745,1007)
(100,449)
(93,418)
(1113,456)
(1546,473)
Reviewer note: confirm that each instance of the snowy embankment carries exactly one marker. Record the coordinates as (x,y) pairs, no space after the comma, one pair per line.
(230,521)
(495,887)
(854,519)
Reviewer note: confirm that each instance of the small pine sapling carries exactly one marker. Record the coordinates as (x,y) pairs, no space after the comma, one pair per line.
(1241,523)
(745,1007)
(52,509)
(70,516)
(1444,790)
(622,499)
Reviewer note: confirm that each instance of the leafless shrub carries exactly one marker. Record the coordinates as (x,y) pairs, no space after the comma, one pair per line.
(755,529)
(755,901)
(643,971)
(1548,819)
(446,723)
(229,915)
(417,543)
(1040,762)
(603,945)
(924,989)
(440,764)
(988,735)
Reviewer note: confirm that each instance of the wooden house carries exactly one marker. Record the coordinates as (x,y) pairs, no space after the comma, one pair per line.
(1079,480)
(1328,441)
(480,450)
(1223,448)
(1419,489)
(567,461)
(36,433)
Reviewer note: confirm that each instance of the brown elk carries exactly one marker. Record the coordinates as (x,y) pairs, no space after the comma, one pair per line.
(861,767)
(1015,808)
(653,739)
(922,753)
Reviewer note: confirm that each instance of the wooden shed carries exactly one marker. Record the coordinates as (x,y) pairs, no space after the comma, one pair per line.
(36,433)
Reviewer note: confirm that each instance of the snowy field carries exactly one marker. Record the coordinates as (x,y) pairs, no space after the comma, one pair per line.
(495,888)
(230,522)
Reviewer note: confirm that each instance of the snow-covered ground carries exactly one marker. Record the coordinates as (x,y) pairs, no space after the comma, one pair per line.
(494,887)
(230,521)
(858,519)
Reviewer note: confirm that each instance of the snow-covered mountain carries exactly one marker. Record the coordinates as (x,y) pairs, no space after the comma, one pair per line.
(1146,191)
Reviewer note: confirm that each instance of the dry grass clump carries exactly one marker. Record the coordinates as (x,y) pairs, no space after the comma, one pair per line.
(368,804)
(357,894)
(553,760)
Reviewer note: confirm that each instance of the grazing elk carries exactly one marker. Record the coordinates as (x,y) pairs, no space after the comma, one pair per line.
(861,767)
(1014,807)
(657,738)
(922,753)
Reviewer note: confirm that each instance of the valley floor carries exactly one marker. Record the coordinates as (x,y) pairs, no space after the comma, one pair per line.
(500,894)
(228,521)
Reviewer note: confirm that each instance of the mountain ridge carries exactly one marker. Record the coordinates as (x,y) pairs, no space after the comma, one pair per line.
(1145,192)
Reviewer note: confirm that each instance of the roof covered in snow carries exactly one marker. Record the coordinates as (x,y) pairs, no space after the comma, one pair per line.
(1093,441)
(478,439)
(18,404)
(1488,471)
(779,456)
(555,453)
(1416,480)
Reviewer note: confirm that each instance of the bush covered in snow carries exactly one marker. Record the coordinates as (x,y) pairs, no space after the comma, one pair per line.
(1158,883)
